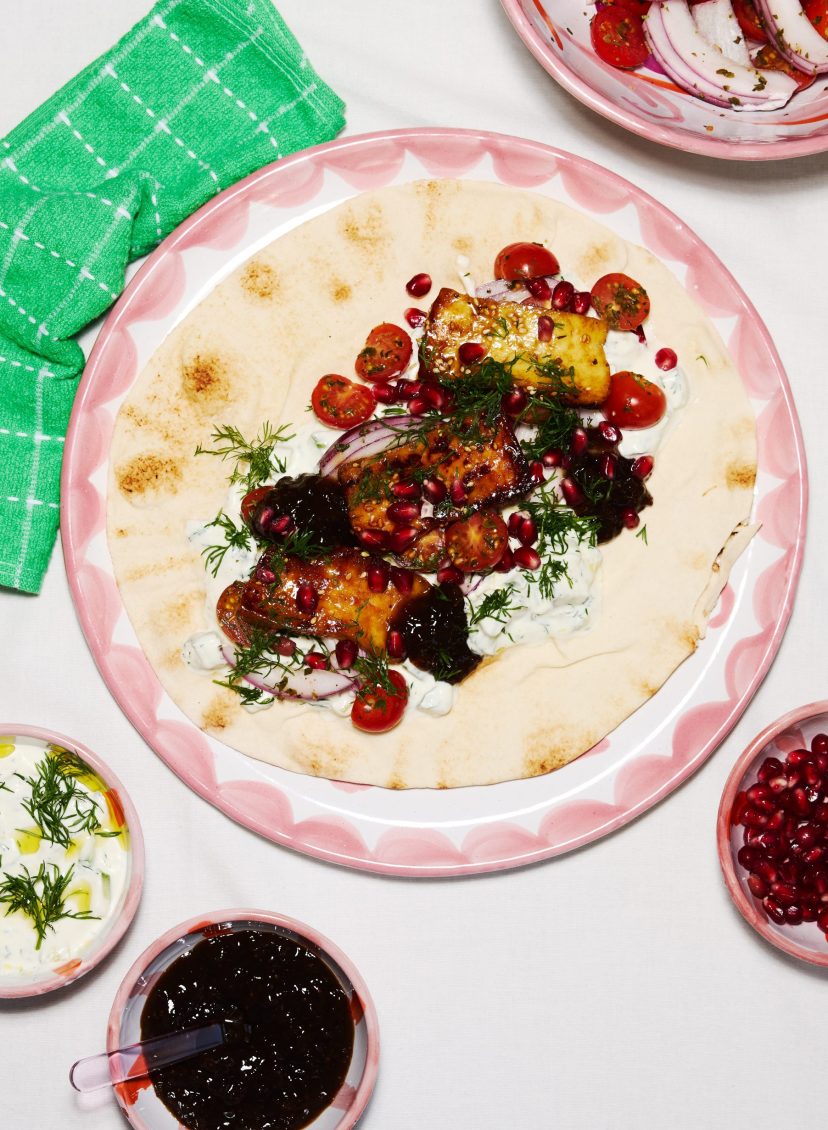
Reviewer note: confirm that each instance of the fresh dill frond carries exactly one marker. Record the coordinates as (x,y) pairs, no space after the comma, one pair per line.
(260,657)
(553,421)
(372,668)
(236,537)
(41,897)
(58,804)
(642,533)
(495,605)
(556,524)
(552,571)
(254,459)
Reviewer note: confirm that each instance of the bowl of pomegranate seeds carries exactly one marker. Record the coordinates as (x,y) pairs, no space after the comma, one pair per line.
(773,833)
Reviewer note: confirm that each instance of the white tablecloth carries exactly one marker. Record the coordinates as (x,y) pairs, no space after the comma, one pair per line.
(612,988)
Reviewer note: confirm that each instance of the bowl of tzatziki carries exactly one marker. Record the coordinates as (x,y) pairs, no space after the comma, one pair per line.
(71,860)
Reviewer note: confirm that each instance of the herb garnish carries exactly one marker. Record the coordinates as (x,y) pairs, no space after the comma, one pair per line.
(237,537)
(642,533)
(59,806)
(495,605)
(556,523)
(257,454)
(42,897)
(258,657)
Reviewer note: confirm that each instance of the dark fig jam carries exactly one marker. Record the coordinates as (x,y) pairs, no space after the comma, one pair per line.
(435,633)
(609,499)
(298,1041)
(315,505)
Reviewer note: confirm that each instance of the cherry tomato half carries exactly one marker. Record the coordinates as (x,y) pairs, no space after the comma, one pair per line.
(817,13)
(251,500)
(340,403)
(228,607)
(639,7)
(477,543)
(620,301)
(750,21)
(633,401)
(617,35)
(524,261)
(767,58)
(377,709)
(386,353)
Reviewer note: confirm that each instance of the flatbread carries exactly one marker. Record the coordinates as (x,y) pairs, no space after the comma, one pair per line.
(301,307)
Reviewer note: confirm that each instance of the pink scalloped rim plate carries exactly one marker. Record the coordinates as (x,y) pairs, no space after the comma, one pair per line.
(70,971)
(137,1099)
(646,102)
(452,831)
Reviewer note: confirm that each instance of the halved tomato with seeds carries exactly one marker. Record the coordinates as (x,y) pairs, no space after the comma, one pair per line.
(477,543)
(750,21)
(617,35)
(620,301)
(767,58)
(340,403)
(524,261)
(817,13)
(386,353)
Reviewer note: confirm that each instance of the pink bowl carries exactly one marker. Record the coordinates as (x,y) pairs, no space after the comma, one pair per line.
(65,974)
(137,1099)
(792,731)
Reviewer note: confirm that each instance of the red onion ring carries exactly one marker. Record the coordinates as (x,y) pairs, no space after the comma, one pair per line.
(307,685)
(365,439)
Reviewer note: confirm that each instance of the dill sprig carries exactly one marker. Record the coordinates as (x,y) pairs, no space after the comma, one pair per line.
(254,459)
(642,533)
(556,524)
(495,605)
(236,537)
(42,897)
(258,657)
(58,804)
(372,669)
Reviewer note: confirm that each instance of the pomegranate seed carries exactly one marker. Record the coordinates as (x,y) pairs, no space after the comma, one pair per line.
(528,532)
(822,921)
(642,466)
(307,597)
(513,524)
(395,645)
(609,432)
(812,773)
(283,525)
(572,493)
(552,457)
(418,406)
(401,539)
(386,393)
(450,575)
(793,914)
(774,911)
(405,490)
(766,870)
(507,561)
(609,465)
(419,285)
(265,575)
(578,442)
(546,327)
(753,817)
(784,893)
(797,757)
(436,397)
(813,855)
(514,401)
(377,575)
(776,821)
(581,302)
(770,844)
(373,539)
(434,490)
(415,317)
(539,288)
(346,653)
(562,295)
(471,353)
(758,887)
(809,910)
(819,743)
(797,802)
(759,794)
(770,767)
(536,471)
(316,660)
(406,390)
(526,558)
(821,760)
(748,857)
(820,813)
(403,512)
(402,579)
(266,516)
(639,333)
(630,518)
(457,493)
(286,646)
(666,359)
(566,460)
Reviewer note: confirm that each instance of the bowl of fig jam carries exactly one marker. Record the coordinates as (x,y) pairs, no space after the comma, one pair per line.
(772,833)
(309,1045)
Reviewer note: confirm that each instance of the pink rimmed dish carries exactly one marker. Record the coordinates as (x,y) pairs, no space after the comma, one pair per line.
(646,102)
(448,831)
(792,731)
(125,816)
(141,1106)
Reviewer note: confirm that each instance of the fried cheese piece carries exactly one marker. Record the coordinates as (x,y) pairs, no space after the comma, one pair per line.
(571,364)
(346,608)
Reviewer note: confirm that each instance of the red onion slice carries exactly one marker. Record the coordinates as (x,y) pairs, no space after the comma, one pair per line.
(307,685)
(501,290)
(365,439)
(794,36)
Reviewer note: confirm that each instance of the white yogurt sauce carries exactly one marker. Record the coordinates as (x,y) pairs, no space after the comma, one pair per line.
(99,864)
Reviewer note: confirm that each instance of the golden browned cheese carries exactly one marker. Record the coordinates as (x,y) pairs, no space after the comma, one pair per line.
(489,466)
(571,364)
(347,609)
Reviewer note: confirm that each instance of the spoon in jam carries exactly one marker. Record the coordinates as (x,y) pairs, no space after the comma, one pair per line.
(138,1060)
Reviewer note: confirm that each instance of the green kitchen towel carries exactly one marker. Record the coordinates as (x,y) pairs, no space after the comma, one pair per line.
(195,96)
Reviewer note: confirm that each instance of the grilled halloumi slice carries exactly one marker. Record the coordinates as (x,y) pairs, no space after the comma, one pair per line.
(346,607)
(571,364)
